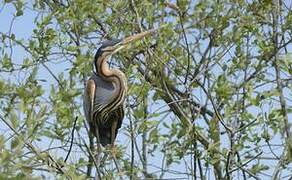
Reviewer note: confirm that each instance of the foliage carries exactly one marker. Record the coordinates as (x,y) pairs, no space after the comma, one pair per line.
(210,92)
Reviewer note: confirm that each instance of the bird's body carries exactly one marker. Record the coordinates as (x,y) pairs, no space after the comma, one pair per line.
(105,92)
(104,97)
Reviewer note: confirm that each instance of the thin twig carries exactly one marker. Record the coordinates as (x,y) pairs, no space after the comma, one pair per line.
(90,153)
(247,162)
(72,138)
(51,162)
(214,107)
(132,147)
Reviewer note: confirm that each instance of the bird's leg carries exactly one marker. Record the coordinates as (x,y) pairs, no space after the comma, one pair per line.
(91,158)
(98,149)
(113,137)
(113,134)
(98,153)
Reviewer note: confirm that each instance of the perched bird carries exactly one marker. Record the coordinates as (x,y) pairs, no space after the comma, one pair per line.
(105,92)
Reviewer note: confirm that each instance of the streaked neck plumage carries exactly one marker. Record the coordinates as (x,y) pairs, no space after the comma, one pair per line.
(114,76)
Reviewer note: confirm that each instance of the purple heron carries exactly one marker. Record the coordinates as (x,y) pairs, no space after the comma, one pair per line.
(105,92)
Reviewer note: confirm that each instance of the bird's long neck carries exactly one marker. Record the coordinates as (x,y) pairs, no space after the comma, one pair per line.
(115,76)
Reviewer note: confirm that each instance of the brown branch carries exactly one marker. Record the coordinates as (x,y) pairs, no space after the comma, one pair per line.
(173,106)
(276,15)
(214,107)
(132,147)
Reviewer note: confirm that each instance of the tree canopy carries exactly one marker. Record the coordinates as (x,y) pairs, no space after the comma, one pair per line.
(209,94)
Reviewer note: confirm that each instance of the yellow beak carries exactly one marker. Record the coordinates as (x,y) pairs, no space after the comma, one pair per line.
(131,39)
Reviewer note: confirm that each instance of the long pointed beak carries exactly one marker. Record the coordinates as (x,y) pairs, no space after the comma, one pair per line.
(136,37)
(131,39)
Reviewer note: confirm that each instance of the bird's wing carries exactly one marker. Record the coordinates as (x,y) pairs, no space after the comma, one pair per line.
(88,101)
(119,116)
(108,132)
(96,96)
(103,92)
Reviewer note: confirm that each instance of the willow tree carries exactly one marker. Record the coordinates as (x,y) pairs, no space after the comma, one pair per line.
(209,94)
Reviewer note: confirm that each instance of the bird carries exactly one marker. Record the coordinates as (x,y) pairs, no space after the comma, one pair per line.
(105,91)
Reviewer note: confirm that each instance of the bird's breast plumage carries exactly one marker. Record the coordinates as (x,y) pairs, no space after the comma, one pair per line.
(104,90)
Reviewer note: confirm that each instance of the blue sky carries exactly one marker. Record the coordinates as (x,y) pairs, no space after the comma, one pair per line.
(22,27)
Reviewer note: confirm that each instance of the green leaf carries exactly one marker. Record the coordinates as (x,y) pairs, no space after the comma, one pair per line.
(258,168)
(289,150)
(6,62)
(15,142)
(2,142)
(19,13)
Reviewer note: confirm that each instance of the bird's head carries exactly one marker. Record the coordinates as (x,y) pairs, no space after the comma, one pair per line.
(111,47)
